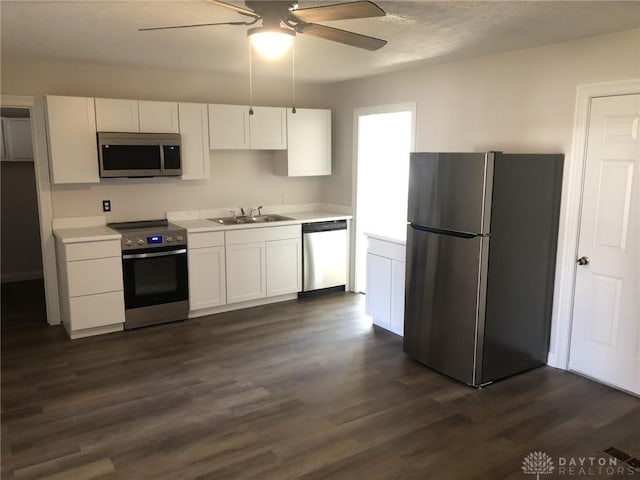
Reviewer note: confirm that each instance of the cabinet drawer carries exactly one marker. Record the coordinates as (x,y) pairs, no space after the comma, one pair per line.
(88,250)
(394,251)
(205,239)
(100,275)
(97,310)
(264,234)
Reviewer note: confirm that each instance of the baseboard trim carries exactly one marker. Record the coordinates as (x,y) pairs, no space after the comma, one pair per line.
(237,306)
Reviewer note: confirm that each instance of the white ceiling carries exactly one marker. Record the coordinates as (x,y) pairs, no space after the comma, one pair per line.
(418,32)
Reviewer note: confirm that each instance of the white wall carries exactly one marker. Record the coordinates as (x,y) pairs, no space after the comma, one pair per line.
(237,178)
(515,102)
(521,101)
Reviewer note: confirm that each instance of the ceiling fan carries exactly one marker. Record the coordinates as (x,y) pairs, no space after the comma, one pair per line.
(285,19)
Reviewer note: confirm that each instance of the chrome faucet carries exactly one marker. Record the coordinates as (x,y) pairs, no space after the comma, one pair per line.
(253,210)
(242,211)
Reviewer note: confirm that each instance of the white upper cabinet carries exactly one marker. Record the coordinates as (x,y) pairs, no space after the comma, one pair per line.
(158,117)
(228,127)
(71,134)
(268,128)
(116,115)
(16,139)
(232,128)
(308,150)
(194,135)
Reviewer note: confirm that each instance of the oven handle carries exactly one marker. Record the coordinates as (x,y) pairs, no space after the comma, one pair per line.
(156,254)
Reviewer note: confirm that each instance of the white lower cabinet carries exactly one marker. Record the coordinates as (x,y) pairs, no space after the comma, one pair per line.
(206,257)
(263,262)
(98,310)
(385,284)
(246,278)
(378,301)
(284,261)
(91,288)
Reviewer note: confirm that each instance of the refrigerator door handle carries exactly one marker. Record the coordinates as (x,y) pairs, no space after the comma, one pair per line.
(452,233)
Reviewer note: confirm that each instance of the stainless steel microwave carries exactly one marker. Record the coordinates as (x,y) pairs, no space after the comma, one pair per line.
(139,154)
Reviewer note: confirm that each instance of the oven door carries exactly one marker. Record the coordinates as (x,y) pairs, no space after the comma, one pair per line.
(155,276)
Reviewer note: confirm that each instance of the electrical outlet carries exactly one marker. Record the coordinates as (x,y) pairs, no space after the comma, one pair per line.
(106,205)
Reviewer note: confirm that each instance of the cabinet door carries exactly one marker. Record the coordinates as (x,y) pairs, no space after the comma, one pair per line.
(71,132)
(378,300)
(245,272)
(18,143)
(114,115)
(206,277)
(194,133)
(284,266)
(228,127)
(308,143)
(158,117)
(268,128)
(397,297)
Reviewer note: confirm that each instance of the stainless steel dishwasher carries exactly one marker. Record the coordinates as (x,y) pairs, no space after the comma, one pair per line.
(324,256)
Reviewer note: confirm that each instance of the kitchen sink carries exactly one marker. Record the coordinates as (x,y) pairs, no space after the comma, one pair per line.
(248,220)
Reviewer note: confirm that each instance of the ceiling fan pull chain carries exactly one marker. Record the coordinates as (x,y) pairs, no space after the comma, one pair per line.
(293,77)
(250,83)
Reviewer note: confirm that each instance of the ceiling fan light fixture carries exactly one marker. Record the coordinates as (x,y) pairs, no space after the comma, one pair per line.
(271,42)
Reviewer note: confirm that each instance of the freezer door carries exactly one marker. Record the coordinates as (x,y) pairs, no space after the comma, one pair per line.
(444,306)
(451,191)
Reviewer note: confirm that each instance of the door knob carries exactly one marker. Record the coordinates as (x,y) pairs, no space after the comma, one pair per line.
(583,261)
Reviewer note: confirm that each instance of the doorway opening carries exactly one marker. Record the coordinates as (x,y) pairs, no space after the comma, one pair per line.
(384,139)
(21,269)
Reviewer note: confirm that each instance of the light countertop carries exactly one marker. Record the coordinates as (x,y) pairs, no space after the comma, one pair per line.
(384,238)
(297,218)
(96,233)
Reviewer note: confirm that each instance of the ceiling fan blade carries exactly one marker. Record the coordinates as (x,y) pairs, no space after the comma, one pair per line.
(342,36)
(341,11)
(235,8)
(196,25)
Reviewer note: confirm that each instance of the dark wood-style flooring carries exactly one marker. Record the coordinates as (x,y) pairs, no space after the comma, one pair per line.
(303,389)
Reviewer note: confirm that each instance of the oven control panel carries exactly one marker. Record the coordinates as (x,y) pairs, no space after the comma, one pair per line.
(166,238)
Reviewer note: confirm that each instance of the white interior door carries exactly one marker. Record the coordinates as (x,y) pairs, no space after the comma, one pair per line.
(605,338)
(385,137)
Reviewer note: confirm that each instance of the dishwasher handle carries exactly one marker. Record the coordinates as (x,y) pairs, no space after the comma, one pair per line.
(324,226)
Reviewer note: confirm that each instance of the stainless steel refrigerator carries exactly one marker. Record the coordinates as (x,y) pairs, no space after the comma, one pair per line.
(481,250)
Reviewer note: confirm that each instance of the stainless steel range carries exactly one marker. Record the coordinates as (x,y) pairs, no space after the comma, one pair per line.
(154,266)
